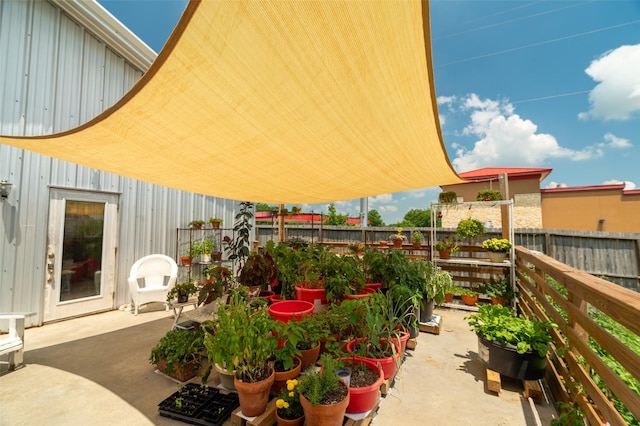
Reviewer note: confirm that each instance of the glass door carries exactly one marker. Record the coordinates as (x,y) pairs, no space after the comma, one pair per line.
(80,253)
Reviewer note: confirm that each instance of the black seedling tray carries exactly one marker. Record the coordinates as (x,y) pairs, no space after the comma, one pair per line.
(199,405)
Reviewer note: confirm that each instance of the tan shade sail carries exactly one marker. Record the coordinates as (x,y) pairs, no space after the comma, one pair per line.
(277,102)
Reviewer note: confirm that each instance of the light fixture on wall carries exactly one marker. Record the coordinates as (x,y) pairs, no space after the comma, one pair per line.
(5,188)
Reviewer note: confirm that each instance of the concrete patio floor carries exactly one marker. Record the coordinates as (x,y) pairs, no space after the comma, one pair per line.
(94,371)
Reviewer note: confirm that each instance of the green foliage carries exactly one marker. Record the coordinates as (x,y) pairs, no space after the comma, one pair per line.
(315,385)
(374,218)
(178,346)
(197,223)
(447,197)
(287,262)
(498,287)
(238,249)
(288,402)
(187,288)
(417,218)
(569,416)
(263,207)
(417,237)
(470,228)
(489,195)
(286,351)
(448,243)
(333,218)
(259,270)
(343,276)
(242,338)
(497,323)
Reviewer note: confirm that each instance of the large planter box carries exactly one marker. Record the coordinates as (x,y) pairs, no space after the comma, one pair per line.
(199,405)
(188,373)
(507,361)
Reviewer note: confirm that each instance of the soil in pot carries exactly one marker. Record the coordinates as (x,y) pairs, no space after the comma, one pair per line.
(331,409)
(364,386)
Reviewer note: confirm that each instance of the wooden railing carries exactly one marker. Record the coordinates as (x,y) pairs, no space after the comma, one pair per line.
(551,290)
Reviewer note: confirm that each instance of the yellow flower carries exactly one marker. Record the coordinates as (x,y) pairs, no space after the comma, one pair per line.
(291,394)
(286,404)
(399,230)
(295,382)
(280,403)
(290,385)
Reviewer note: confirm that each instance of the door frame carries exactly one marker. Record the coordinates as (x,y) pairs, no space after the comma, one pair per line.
(54,309)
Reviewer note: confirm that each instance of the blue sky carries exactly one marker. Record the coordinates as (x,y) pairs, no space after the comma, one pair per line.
(519,84)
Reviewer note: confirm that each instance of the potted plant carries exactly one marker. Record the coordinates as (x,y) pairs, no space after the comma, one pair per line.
(470,228)
(416,239)
(238,249)
(289,411)
(511,345)
(217,280)
(375,268)
(177,354)
(181,292)
(356,248)
(468,296)
(242,338)
(499,290)
(489,195)
(447,197)
(342,277)
(433,285)
(365,379)
(497,248)
(308,332)
(397,239)
(259,271)
(446,247)
(215,222)
(196,224)
(323,396)
(287,362)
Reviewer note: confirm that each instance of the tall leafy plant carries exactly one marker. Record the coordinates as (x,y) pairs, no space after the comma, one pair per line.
(238,249)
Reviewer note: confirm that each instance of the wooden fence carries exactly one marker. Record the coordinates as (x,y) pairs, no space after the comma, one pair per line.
(614,256)
(551,290)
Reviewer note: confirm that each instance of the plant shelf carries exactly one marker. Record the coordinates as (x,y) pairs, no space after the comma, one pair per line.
(199,405)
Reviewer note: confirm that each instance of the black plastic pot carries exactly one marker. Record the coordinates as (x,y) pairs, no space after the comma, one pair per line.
(507,361)
(426,310)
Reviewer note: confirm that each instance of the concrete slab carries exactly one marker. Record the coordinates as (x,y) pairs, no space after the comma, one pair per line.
(94,371)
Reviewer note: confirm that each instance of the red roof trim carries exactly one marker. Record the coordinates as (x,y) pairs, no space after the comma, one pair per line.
(613,187)
(490,173)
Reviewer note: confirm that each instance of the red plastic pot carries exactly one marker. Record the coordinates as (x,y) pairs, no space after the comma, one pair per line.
(375,286)
(311,295)
(387,364)
(364,398)
(286,310)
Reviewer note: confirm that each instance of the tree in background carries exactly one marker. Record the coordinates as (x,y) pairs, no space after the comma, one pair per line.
(417,217)
(263,207)
(374,218)
(333,218)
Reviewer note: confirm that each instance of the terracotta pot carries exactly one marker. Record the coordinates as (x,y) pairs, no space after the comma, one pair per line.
(186,260)
(397,243)
(364,398)
(444,254)
(254,397)
(216,256)
(281,377)
(416,245)
(309,356)
(448,297)
(286,422)
(382,243)
(499,300)
(215,225)
(324,415)
(469,300)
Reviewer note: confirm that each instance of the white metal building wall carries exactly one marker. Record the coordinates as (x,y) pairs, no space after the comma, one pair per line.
(55,75)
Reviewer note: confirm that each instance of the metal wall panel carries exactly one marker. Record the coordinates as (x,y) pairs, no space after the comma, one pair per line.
(59,76)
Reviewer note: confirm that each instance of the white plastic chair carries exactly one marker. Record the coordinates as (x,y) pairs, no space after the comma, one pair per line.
(13,343)
(151,278)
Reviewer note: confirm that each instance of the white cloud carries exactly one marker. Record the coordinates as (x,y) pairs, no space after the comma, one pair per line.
(628,185)
(506,139)
(556,185)
(615,142)
(389,208)
(382,198)
(617,94)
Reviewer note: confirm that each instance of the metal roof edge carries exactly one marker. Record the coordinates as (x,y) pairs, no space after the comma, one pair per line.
(106,27)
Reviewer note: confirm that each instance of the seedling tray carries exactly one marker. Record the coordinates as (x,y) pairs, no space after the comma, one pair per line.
(199,405)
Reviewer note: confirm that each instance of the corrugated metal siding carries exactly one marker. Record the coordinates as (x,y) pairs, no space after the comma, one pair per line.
(59,76)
